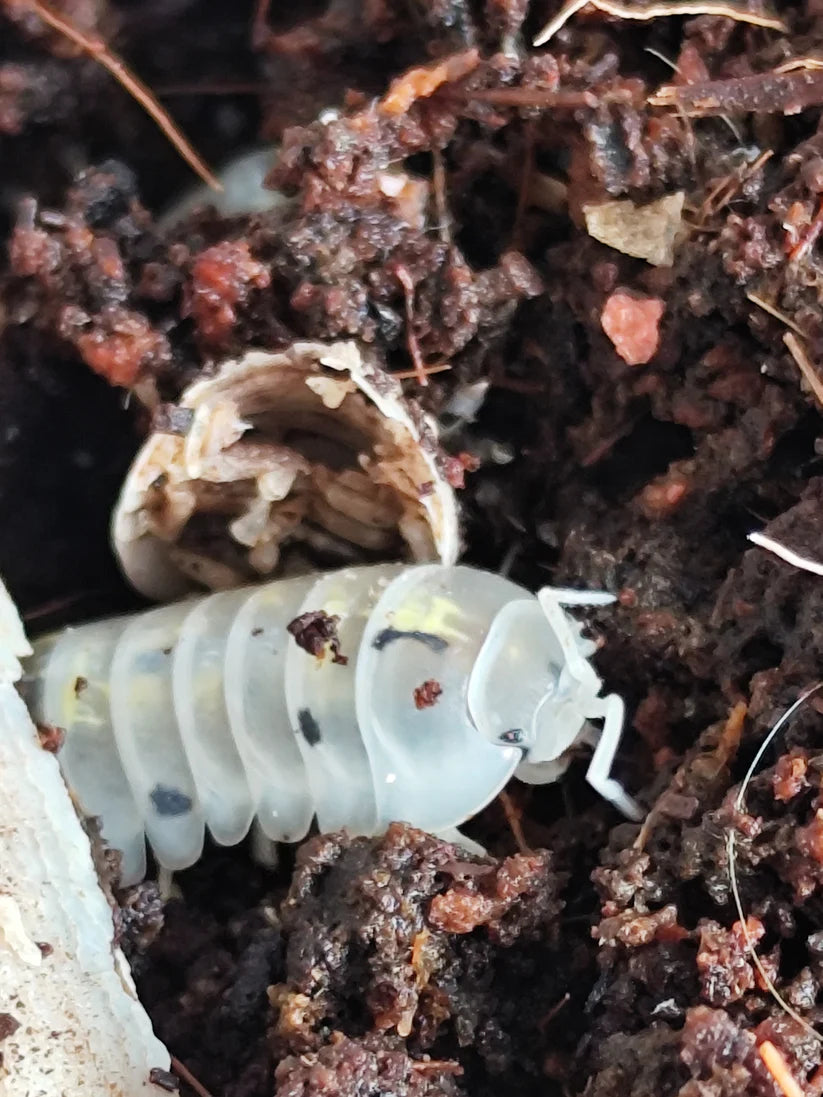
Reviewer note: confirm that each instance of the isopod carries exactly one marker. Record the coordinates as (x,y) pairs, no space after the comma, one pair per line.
(208,712)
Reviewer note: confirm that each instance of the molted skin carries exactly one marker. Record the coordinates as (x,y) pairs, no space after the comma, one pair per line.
(208,712)
(313,448)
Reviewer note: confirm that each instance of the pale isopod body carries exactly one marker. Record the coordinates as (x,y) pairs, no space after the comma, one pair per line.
(208,713)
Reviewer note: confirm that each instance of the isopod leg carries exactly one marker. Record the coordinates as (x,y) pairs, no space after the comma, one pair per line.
(552,602)
(612,711)
(263,849)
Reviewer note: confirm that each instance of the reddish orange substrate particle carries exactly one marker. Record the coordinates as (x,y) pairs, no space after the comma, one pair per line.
(633,325)
(455,468)
(420,83)
(663,496)
(121,347)
(222,278)
(790,776)
(427,694)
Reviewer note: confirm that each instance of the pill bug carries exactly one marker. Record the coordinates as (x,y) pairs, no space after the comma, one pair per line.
(208,713)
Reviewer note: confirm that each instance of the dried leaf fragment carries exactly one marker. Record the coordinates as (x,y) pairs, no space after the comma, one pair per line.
(645,232)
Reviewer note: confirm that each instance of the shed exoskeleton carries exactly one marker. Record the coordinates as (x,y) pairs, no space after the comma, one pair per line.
(208,713)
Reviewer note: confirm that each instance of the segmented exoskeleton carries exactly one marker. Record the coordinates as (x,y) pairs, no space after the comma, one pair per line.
(208,712)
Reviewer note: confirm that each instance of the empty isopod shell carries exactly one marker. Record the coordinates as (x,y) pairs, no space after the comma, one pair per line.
(209,713)
(313,448)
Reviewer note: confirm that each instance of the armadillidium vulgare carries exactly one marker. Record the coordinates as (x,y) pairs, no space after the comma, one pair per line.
(208,712)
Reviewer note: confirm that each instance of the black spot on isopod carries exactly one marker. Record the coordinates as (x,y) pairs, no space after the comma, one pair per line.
(170,801)
(80,684)
(167,651)
(257,631)
(309,727)
(513,737)
(387,636)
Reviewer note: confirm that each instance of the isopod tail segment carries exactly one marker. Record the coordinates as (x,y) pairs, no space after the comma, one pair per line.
(207,713)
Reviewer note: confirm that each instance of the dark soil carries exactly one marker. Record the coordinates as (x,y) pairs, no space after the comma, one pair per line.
(639,422)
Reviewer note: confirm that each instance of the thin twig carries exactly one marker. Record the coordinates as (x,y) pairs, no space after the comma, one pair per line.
(260,32)
(513,819)
(405,280)
(804,364)
(657,11)
(440,200)
(722,195)
(740,807)
(537,97)
(776,313)
(407,374)
(57,605)
(183,1072)
(97,49)
(525,185)
(547,1018)
(808,238)
(758,93)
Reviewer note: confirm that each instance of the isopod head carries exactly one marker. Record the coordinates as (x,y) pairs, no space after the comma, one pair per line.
(313,447)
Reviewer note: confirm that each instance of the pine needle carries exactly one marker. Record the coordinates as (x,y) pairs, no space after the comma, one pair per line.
(772,310)
(804,364)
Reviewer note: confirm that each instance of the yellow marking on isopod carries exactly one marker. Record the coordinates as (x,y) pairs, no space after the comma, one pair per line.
(433,619)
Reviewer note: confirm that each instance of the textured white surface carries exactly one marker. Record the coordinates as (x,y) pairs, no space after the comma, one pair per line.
(400,454)
(82,1030)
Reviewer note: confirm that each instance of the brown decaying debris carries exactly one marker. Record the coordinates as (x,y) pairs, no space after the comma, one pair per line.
(314,630)
(97,49)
